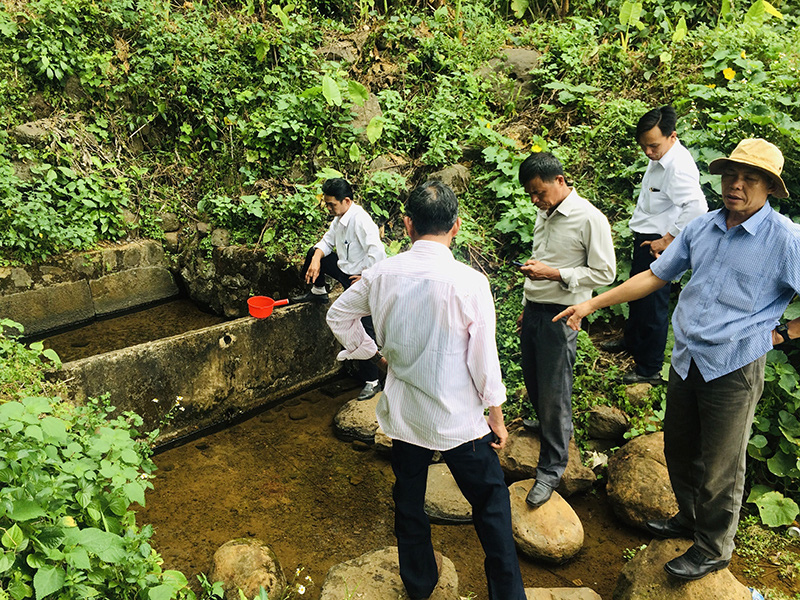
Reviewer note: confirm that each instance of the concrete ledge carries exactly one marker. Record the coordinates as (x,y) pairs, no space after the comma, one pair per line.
(220,371)
(48,308)
(130,288)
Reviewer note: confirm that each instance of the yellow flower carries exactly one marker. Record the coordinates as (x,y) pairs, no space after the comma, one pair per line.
(536,148)
(711,85)
(728,73)
(488,125)
(744,54)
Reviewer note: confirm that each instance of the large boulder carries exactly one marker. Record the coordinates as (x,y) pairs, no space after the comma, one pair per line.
(248,564)
(552,533)
(521,455)
(456,177)
(376,576)
(644,578)
(638,482)
(356,420)
(606,423)
(444,502)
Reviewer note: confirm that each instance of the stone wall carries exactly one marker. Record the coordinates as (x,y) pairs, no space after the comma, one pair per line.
(218,372)
(75,288)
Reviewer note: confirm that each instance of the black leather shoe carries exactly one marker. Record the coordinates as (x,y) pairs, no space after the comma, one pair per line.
(669,528)
(369,391)
(693,564)
(539,494)
(310,297)
(532,425)
(614,345)
(633,377)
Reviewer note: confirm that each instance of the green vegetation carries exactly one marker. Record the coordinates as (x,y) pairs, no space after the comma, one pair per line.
(233,112)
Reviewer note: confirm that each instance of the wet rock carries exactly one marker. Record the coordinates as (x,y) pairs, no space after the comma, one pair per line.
(356,420)
(644,578)
(360,446)
(171,242)
(387,162)
(383,443)
(202,228)
(444,502)
(521,454)
(247,564)
(21,278)
(639,394)
(298,414)
(131,219)
(510,75)
(456,177)
(220,238)
(34,133)
(73,88)
(22,171)
(519,62)
(606,423)
(169,222)
(582,593)
(376,576)
(552,532)
(602,446)
(340,50)
(638,482)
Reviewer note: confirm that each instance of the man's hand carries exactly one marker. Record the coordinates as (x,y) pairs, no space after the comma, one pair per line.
(313,270)
(575,314)
(519,322)
(659,245)
(498,426)
(354,278)
(537,270)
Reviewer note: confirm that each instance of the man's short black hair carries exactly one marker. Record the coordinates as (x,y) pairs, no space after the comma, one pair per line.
(664,118)
(540,164)
(338,188)
(433,208)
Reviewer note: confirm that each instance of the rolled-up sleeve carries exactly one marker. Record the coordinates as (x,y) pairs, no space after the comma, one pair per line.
(328,241)
(686,193)
(601,262)
(344,320)
(482,359)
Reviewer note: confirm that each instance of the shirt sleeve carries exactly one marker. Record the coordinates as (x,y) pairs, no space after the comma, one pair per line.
(369,237)
(328,241)
(601,262)
(482,360)
(675,260)
(344,320)
(686,193)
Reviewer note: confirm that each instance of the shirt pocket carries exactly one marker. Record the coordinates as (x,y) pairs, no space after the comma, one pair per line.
(658,202)
(742,290)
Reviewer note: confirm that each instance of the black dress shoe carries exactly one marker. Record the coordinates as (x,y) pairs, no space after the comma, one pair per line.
(669,528)
(310,297)
(616,344)
(633,377)
(693,564)
(539,494)
(532,425)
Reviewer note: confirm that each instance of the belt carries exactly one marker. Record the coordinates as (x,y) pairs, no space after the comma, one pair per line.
(552,309)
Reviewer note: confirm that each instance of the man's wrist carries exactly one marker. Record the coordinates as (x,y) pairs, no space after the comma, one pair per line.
(783,331)
(376,359)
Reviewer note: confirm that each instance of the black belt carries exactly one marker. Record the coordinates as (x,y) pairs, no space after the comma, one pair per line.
(552,309)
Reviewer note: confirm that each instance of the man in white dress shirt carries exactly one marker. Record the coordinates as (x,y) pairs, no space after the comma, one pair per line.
(351,244)
(573,253)
(435,324)
(670,197)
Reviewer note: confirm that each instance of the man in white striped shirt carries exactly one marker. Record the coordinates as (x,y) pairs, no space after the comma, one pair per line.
(435,324)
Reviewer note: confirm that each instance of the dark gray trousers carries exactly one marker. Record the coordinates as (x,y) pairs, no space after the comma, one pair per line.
(706,430)
(548,356)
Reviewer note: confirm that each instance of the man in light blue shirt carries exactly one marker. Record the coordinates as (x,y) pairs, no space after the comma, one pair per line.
(745,262)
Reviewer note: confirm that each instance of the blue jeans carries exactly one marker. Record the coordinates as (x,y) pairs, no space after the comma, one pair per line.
(476,469)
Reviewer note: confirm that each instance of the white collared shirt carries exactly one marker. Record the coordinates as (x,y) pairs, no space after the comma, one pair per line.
(575,239)
(356,239)
(670,196)
(435,323)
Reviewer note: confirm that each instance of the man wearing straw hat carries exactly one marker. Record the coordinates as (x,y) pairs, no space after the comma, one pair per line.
(745,270)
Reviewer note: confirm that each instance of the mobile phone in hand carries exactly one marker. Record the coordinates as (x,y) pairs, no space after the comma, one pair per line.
(517,263)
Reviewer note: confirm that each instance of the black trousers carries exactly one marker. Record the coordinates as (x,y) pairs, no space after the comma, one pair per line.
(329,265)
(648,320)
(476,469)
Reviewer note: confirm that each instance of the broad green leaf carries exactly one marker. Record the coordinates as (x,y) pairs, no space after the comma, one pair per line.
(665,57)
(354,153)
(54,429)
(519,7)
(781,464)
(725,9)
(175,578)
(52,355)
(26,510)
(36,405)
(106,546)
(6,561)
(48,580)
(375,129)
(262,46)
(776,510)
(78,558)
(11,410)
(135,492)
(680,31)
(358,92)
(330,90)
(50,537)
(161,592)
(13,537)
(7,26)
(771,10)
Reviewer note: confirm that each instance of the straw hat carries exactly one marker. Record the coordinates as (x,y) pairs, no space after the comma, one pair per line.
(756,153)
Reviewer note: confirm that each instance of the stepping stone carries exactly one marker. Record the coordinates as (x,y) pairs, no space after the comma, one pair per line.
(376,576)
(247,564)
(582,593)
(552,533)
(444,502)
(356,420)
